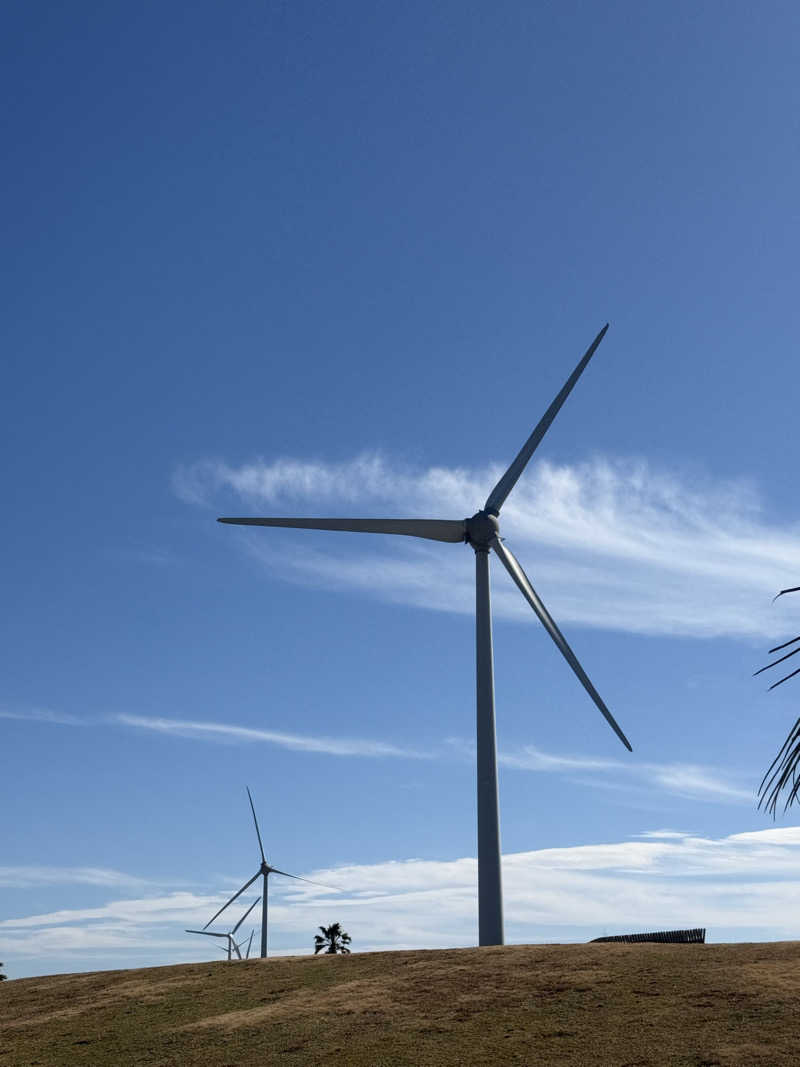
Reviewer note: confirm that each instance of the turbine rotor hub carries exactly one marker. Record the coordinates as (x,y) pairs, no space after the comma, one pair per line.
(481,529)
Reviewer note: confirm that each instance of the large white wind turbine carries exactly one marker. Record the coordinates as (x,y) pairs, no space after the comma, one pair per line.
(482,533)
(230,945)
(265,870)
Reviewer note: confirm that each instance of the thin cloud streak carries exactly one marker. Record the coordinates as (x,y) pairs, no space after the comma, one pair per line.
(665,835)
(58,718)
(685,780)
(24,877)
(612,544)
(681,779)
(179,905)
(216,731)
(692,781)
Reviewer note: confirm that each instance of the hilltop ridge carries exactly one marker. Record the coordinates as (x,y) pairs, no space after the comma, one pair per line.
(531,1004)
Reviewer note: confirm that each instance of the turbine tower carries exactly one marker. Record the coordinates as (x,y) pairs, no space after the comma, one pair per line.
(231,942)
(482,533)
(265,870)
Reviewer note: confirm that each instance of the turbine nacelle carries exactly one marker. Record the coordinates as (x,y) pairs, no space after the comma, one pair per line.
(481,529)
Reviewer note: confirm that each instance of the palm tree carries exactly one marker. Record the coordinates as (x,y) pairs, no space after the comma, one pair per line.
(333,939)
(784,771)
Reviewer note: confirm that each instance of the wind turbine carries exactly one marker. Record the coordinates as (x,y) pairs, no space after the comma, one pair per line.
(482,532)
(265,870)
(226,947)
(231,940)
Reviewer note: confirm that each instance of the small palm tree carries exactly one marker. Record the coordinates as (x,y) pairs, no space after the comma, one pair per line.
(333,939)
(784,771)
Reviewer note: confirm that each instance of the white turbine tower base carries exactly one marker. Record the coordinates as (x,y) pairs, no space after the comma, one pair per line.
(482,533)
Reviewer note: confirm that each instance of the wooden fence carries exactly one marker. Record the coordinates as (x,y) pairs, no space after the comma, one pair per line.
(670,937)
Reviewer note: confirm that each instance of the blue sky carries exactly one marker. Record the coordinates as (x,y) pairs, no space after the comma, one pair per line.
(337,259)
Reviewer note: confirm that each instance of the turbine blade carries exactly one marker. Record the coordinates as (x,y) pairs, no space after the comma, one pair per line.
(249,943)
(518,574)
(235,895)
(255,820)
(274,870)
(509,479)
(451,530)
(206,933)
(236,949)
(236,927)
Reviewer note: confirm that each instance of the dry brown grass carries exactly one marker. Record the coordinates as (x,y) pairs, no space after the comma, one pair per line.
(621,1005)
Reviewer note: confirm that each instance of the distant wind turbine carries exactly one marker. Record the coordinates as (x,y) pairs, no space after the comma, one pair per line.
(482,532)
(231,946)
(265,870)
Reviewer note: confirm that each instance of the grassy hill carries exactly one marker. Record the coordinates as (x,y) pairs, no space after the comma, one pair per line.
(630,1005)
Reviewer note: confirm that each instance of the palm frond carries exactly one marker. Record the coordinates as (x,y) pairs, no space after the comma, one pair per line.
(785,644)
(785,679)
(775,662)
(783,773)
(783,592)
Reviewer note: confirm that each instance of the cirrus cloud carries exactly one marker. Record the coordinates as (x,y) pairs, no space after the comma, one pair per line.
(614,544)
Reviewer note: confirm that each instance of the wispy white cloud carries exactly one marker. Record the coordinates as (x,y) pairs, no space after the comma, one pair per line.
(20,877)
(530,758)
(665,835)
(76,946)
(744,885)
(217,731)
(693,781)
(179,905)
(58,718)
(366,477)
(612,544)
(777,835)
(120,933)
(681,779)
(689,780)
